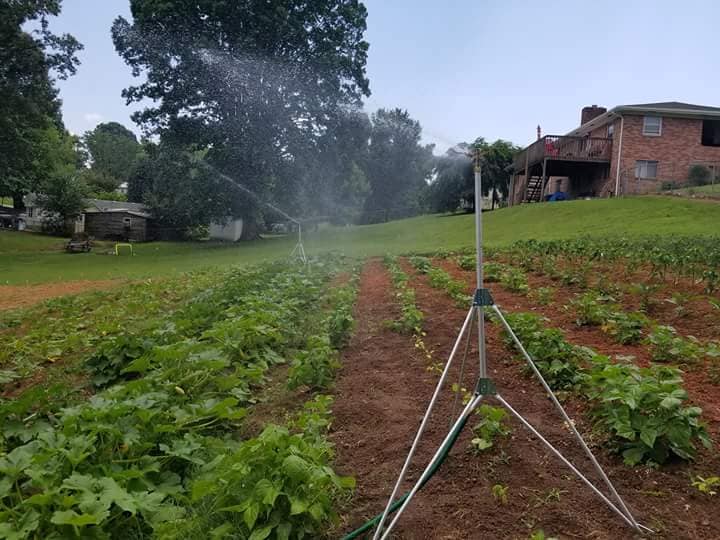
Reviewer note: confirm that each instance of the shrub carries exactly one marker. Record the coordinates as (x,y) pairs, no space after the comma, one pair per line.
(699,175)
(642,409)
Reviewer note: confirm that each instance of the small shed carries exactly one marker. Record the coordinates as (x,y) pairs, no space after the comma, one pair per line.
(115,220)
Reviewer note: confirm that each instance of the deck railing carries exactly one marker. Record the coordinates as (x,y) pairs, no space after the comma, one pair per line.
(568,148)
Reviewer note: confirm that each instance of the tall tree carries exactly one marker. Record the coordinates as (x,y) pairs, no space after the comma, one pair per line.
(114,152)
(454,177)
(254,82)
(398,165)
(29,62)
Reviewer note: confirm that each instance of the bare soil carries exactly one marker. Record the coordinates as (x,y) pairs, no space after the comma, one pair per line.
(19,296)
(383,389)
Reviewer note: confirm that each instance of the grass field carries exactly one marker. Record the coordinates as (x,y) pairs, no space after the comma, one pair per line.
(28,258)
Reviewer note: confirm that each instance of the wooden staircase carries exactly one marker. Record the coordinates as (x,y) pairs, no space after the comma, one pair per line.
(534,189)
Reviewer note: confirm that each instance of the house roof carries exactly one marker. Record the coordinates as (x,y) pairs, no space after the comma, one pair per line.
(99,205)
(673,106)
(664,108)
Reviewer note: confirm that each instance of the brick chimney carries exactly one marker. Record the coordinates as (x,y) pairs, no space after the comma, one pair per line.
(588,113)
(539,132)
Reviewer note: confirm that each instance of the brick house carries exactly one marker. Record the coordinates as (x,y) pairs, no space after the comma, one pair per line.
(630,149)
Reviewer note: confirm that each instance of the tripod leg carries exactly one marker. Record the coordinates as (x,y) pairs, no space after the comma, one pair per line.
(421,429)
(565,416)
(462,368)
(457,425)
(628,519)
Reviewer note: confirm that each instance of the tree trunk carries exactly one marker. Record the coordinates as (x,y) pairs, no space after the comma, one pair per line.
(18,202)
(251,229)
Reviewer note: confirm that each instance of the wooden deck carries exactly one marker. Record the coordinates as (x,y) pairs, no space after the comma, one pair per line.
(561,148)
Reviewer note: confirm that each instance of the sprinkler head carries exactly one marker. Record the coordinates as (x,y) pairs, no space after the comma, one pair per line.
(477,159)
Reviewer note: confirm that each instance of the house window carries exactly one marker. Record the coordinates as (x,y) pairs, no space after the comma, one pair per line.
(652,126)
(611,130)
(711,133)
(646,169)
(127,222)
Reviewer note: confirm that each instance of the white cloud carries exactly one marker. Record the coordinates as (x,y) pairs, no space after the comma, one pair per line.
(93,118)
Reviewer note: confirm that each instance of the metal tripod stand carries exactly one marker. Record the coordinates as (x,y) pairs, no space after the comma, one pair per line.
(299,251)
(485,388)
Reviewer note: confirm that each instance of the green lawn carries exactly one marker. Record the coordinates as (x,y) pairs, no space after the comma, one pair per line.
(26,258)
(709,190)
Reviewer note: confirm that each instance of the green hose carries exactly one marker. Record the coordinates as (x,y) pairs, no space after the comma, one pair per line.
(398,503)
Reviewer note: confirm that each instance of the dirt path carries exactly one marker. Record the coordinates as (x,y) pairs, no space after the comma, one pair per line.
(382,391)
(19,296)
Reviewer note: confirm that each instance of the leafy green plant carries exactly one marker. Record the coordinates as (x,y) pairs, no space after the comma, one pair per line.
(466,262)
(543,295)
(646,292)
(591,308)
(111,358)
(540,535)
(491,426)
(493,271)
(315,365)
(706,485)
(680,300)
(667,346)
(134,455)
(411,318)
(500,493)
(421,264)
(625,328)
(277,485)
(515,280)
(456,289)
(557,360)
(642,410)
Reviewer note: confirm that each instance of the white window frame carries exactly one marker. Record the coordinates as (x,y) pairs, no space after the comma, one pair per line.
(610,130)
(642,164)
(645,126)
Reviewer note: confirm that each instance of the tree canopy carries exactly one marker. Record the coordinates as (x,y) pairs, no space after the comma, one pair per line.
(29,109)
(398,165)
(254,83)
(114,152)
(454,177)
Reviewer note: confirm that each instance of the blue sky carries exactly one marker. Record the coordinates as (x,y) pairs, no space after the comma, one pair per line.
(466,68)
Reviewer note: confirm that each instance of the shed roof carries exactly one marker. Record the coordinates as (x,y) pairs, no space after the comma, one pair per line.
(100,205)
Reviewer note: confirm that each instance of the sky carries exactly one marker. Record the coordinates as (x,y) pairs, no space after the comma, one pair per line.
(469,68)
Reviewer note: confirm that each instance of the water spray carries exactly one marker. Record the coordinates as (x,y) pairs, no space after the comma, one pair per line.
(485,389)
(299,250)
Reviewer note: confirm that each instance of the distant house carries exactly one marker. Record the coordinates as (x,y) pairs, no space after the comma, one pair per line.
(116,220)
(630,149)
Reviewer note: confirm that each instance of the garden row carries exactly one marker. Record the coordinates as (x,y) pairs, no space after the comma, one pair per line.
(157,450)
(641,411)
